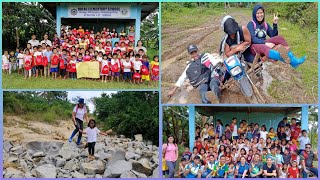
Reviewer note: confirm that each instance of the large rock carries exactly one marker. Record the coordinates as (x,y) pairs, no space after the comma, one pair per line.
(38,154)
(69,151)
(23,164)
(60,162)
(138,137)
(76,174)
(116,169)
(155,173)
(7,146)
(12,173)
(103,156)
(13,158)
(117,156)
(142,166)
(50,148)
(46,171)
(17,150)
(130,155)
(139,175)
(128,174)
(93,167)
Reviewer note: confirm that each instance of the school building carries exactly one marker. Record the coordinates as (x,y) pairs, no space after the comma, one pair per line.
(269,116)
(101,14)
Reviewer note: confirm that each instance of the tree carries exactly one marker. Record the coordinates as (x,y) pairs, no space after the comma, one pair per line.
(129,113)
(21,20)
(150,31)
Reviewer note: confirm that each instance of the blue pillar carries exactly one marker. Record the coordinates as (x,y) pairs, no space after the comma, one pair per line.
(304,117)
(192,125)
(137,25)
(58,21)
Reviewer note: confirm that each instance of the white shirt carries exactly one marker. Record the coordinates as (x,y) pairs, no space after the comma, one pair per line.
(263,134)
(33,42)
(303,141)
(37,54)
(80,113)
(126,64)
(137,65)
(92,134)
(47,42)
(235,130)
(104,62)
(5,59)
(99,58)
(114,61)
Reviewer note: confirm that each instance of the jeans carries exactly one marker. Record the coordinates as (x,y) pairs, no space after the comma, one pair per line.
(312,169)
(91,147)
(212,86)
(171,165)
(78,126)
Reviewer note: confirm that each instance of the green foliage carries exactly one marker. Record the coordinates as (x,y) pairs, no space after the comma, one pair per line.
(15,81)
(150,31)
(176,123)
(46,106)
(30,18)
(130,113)
(301,13)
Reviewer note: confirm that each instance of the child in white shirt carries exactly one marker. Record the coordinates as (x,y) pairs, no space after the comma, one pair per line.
(92,131)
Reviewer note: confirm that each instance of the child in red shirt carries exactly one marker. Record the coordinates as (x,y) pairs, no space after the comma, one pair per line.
(293,171)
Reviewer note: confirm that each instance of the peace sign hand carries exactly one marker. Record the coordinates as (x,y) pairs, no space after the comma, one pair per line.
(275,18)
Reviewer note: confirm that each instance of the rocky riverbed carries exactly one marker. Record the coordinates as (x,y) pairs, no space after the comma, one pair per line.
(115,157)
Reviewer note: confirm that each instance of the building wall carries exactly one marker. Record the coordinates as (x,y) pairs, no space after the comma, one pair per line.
(268,119)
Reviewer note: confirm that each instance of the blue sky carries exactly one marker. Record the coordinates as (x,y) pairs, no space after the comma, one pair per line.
(87,95)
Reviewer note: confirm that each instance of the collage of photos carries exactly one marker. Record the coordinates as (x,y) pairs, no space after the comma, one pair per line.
(159,89)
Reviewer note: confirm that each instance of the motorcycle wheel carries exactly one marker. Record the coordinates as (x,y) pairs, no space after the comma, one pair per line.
(245,86)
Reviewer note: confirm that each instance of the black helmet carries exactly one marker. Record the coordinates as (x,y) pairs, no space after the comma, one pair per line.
(192,48)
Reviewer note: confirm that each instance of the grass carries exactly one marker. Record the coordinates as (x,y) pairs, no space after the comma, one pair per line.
(301,43)
(15,81)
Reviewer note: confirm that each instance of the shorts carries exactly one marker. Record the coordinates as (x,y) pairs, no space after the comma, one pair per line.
(5,66)
(127,75)
(53,69)
(145,77)
(154,78)
(115,74)
(40,67)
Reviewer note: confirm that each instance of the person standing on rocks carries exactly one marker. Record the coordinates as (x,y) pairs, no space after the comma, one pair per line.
(170,151)
(78,115)
(92,132)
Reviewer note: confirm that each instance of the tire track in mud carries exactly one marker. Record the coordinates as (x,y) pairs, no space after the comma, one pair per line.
(207,38)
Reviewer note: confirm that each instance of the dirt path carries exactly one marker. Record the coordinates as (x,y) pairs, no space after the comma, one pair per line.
(17,129)
(207,37)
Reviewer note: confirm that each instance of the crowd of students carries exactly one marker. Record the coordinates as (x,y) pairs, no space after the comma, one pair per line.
(118,58)
(247,151)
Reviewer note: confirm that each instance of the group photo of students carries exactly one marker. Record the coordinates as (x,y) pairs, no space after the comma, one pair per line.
(119,59)
(249,150)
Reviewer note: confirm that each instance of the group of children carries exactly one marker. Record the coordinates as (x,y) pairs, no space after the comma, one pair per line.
(249,151)
(116,54)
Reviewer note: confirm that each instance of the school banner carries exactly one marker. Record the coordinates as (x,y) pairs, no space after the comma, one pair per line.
(98,11)
(88,70)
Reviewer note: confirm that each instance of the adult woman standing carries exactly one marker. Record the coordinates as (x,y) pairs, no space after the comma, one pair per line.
(78,115)
(140,46)
(170,151)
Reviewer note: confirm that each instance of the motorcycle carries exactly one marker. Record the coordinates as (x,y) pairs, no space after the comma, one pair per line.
(237,70)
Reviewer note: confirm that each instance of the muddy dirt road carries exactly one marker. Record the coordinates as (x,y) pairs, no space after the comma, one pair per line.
(207,37)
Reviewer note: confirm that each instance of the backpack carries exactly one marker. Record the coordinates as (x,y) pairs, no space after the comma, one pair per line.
(144,70)
(264,24)
(27,65)
(45,61)
(39,60)
(55,60)
(155,70)
(61,64)
(136,75)
(105,69)
(197,73)
(115,67)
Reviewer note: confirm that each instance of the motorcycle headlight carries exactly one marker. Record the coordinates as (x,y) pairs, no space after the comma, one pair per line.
(235,71)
